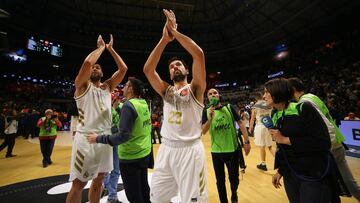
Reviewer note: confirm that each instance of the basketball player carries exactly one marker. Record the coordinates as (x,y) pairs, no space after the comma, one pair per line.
(93,99)
(180,163)
(261,134)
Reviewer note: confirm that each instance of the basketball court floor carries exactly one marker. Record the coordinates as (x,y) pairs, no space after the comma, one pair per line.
(23,179)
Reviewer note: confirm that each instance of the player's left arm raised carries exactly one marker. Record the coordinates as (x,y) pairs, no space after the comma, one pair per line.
(198,82)
(118,76)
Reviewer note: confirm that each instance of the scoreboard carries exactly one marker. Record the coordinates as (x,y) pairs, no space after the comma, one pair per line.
(44,46)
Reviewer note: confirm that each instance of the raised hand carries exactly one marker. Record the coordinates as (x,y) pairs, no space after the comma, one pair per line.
(170,20)
(100,42)
(109,45)
(167,36)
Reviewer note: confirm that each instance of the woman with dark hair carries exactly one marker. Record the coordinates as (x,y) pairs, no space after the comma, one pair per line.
(303,157)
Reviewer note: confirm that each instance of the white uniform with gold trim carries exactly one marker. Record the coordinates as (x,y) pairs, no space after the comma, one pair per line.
(262,136)
(87,160)
(180,163)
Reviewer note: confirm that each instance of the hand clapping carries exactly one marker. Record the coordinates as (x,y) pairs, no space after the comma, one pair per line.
(100,42)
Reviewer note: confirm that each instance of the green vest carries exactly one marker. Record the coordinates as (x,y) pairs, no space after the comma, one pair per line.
(49,128)
(139,143)
(324,110)
(222,131)
(292,109)
(116,116)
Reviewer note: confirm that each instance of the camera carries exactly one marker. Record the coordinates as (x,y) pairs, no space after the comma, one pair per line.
(53,116)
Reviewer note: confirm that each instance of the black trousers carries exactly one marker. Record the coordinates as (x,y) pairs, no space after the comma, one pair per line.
(153,135)
(135,179)
(47,147)
(9,141)
(231,160)
(300,191)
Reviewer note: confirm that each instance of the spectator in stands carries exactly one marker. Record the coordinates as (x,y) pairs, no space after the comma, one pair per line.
(48,131)
(155,122)
(334,112)
(245,117)
(351,116)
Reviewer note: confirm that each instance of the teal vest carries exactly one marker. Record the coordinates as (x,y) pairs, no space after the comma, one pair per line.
(139,143)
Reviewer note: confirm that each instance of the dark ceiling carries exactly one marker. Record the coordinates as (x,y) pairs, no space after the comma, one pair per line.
(232,33)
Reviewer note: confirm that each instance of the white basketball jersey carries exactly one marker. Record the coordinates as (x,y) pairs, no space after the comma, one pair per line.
(262,109)
(182,115)
(94,107)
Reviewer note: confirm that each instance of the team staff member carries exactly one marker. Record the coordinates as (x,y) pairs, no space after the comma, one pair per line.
(48,131)
(336,136)
(111,179)
(220,119)
(134,140)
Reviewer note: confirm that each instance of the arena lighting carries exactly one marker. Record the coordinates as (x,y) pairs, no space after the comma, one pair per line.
(222,85)
(17,56)
(4,14)
(281,55)
(280,48)
(274,75)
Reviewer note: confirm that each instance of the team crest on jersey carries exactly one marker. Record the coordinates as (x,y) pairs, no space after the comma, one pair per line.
(184,92)
(103,86)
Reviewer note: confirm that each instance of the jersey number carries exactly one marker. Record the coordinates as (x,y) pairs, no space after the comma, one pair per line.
(175,117)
